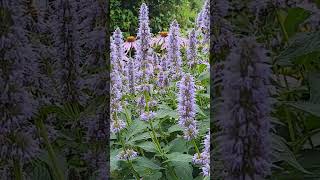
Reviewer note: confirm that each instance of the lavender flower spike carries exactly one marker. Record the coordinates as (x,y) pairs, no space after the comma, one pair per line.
(192,48)
(186,106)
(204,158)
(245,114)
(174,54)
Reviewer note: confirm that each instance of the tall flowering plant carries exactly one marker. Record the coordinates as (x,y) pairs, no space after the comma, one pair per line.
(162,110)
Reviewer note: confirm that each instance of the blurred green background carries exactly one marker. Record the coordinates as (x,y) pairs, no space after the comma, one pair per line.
(124,14)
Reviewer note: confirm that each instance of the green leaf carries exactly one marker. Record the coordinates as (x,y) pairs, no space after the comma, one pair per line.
(179,157)
(294,18)
(177,145)
(114,162)
(183,170)
(154,176)
(308,107)
(204,76)
(174,128)
(162,113)
(281,152)
(205,95)
(139,137)
(199,110)
(148,146)
(136,127)
(301,45)
(145,163)
(40,172)
(314,82)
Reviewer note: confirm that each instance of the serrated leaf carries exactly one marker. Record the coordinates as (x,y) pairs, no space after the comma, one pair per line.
(199,110)
(148,146)
(114,160)
(295,16)
(183,170)
(154,176)
(301,45)
(309,107)
(281,152)
(174,128)
(145,163)
(314,82)
(162,113)
(179,157)
(139,137)
(40,172)
(178,145)
(204,75)
(136,127)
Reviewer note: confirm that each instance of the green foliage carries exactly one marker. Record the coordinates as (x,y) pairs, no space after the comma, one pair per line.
(124,14)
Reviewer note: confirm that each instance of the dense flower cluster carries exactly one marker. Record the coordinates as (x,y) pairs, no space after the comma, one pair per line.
(245,113)
(17,105)
(117,57)
(203,159)
(192,48)
(186,108)
(127,154)
(174,52)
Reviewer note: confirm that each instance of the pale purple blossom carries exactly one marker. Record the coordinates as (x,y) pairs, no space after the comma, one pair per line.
(174,53)
(17,72)
(117,125)
(147,116)
(192,48)
(186,107)
(245,112)
(190,132)
(204,158)
(127,154)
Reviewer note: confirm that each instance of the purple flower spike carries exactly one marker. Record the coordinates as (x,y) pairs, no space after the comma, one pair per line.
(204,159)
(186,106)
(245,114)
(174,54)
(192,48)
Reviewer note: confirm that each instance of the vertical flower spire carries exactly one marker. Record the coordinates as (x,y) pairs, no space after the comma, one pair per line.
(204,158)
(186,107)
(118,59)
(117,50)
(144,13)
(145,68)
(192,48)
(245,114)
(117,55)
(174,54)
(17,105)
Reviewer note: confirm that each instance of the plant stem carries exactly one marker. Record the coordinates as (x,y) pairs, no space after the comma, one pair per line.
(155,137)
(129,161)
(291,129)
(52,156)
(135,173)
(196,147)
(283,29)
(17,169)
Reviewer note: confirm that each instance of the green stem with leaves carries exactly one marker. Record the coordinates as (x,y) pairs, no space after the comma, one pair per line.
(283,29)
(196,147)
(52,156)
(17,169)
